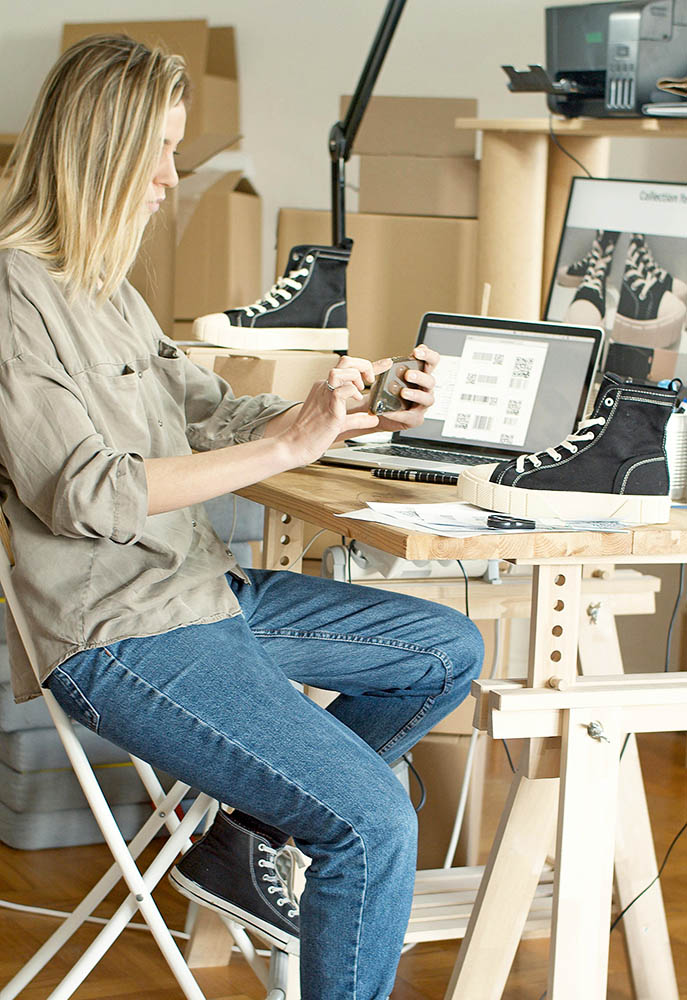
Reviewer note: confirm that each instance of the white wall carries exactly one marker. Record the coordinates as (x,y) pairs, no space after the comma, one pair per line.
(297,57)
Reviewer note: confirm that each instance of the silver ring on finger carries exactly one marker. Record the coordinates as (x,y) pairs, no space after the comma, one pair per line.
(331,387)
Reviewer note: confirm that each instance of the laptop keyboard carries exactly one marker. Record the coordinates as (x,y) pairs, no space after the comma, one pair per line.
(428,454)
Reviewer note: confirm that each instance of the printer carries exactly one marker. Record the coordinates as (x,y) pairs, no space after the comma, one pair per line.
(604,59)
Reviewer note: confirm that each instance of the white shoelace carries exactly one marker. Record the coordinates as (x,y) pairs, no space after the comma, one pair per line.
(640,278)
(646,258)
(583,432)
(596,272)
(276,883)
(280,290)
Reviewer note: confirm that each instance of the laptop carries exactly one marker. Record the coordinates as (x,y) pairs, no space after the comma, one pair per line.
(504,388)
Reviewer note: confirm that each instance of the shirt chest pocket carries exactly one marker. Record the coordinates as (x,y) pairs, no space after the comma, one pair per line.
(120,404)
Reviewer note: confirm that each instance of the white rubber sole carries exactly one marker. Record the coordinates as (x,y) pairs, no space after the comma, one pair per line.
(663,331)
(216,329)
(553,503)
(270,933)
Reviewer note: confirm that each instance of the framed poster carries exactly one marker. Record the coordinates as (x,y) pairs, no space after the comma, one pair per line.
(622,265)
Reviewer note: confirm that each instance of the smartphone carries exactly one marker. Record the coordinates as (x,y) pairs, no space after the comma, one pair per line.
(385,395)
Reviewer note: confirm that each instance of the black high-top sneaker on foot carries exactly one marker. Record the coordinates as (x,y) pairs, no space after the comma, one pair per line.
(600,252)
(649,313)
(235,872)
(592,286)
(305,309)
(613,466)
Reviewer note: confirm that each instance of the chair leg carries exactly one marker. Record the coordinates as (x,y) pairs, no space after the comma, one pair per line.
(125,867)
(141,898)
(284,982)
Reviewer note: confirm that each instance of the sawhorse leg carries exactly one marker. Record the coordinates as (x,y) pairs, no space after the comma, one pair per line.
(586,839)
(645,927)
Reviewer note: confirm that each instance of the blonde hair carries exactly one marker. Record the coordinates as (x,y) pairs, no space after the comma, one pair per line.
(77,177)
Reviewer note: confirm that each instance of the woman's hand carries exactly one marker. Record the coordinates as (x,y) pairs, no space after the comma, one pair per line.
(332,410)
(419,390)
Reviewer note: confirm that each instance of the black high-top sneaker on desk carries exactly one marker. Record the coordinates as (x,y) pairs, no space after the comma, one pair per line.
(613,466)
(235,872)
(649,313)
(305,309)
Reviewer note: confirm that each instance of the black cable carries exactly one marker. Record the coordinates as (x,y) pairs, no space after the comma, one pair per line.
(627,737)
(510,759)
(658,875)
(566,152)
(420,783)
(669,639)
(465,577)
(646,888)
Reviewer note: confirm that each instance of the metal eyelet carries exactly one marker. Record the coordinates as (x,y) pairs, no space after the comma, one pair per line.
(608,401)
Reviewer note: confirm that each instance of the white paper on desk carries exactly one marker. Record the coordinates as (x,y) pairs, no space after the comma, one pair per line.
(456,519)
(395,521)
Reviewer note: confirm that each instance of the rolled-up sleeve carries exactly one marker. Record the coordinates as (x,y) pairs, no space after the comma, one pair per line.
(216,418)
(61,467)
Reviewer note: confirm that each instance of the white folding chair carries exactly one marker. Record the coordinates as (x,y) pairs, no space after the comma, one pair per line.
(278,978)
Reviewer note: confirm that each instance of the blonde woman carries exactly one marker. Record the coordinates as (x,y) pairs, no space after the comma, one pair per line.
(148,631)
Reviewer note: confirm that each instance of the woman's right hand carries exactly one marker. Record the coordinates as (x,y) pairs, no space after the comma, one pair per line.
(323,417)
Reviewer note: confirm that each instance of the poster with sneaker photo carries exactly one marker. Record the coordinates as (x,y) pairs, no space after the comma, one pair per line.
(622,265)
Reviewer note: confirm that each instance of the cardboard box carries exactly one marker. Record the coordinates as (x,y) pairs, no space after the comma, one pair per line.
(210,55)
(419,185)
(440,761)
(288,373)
(218,254)
(400,268)
(201,252)
(414,126)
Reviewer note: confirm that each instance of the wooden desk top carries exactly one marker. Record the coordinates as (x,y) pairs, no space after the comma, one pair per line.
(317,493)
(619,128)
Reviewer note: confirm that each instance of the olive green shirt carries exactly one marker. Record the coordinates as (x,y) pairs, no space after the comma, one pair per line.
(86,394)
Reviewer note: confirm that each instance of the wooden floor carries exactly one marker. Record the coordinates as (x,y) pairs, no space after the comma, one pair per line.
(57,879)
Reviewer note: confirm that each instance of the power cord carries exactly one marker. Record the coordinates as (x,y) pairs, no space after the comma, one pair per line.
(467,589)
(645,889)
(420,782)
(669,639)
(303,551)
(566,152)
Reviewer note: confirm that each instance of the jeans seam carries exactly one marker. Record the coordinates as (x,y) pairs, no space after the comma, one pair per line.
(376,641)
(410,647)
(273,770)
(70,683)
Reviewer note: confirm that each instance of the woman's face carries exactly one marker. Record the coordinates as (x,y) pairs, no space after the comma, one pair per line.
(165,174)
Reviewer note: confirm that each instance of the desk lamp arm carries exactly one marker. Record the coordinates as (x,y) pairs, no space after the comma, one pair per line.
(342,134)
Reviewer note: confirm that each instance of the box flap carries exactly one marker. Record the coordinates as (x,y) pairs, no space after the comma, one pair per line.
(221,57)
(216,175)
(194,152)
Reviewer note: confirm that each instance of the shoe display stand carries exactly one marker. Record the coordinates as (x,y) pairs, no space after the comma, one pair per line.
(523,191)
(575,752)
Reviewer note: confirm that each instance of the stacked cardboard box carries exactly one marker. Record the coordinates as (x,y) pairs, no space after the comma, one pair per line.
(400,268)
(188,264)
(412,159)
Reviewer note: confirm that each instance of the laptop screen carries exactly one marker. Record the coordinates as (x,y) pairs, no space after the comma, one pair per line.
(505,386)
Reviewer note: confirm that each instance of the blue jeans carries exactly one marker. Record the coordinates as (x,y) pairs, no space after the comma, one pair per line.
(214,706)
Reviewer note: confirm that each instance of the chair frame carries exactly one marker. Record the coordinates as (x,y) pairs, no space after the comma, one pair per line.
(140,884)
